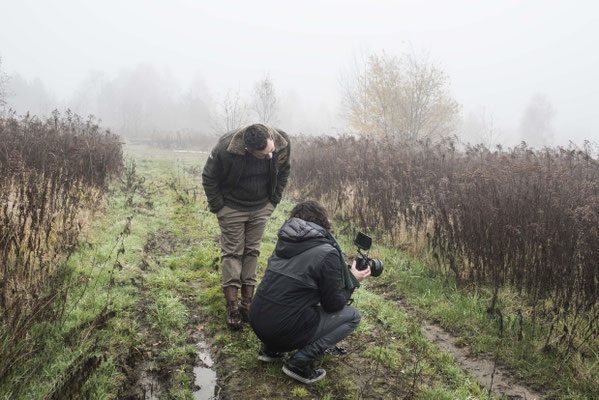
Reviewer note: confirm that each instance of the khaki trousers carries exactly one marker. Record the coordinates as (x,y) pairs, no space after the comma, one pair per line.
(240,240)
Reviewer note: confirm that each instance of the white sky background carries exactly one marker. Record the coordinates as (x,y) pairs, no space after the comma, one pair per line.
(497,54)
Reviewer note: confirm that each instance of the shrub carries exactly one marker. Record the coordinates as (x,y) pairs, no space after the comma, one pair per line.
(521,217)
(49,172)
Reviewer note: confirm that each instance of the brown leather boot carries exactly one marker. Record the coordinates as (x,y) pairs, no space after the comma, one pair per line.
(233,315)
(247,293)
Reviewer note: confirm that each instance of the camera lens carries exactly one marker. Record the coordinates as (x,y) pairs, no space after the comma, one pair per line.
(376,267)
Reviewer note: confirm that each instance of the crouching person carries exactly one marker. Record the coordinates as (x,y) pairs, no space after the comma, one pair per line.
(302,300)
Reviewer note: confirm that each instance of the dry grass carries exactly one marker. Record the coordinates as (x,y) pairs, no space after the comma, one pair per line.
(51,170)
(520,217)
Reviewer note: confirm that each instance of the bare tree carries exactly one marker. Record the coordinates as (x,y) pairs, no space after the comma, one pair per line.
(264,101)
(536,124)
(480,127)
(3,87)
(30,96)
(86,97)
(232,112)
(196,106)
(400,98)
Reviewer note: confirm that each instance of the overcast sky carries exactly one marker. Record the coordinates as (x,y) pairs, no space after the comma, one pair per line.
(497,54)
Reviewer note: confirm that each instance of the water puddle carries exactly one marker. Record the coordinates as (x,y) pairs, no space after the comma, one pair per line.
(205,376)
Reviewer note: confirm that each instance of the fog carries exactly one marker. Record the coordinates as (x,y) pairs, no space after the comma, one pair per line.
(149,67)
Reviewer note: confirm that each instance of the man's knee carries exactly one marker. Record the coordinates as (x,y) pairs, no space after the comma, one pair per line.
(252,252)
(233,252)
(231,270)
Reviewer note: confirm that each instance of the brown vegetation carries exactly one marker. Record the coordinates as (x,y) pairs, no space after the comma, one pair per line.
(524,218)
(49,171)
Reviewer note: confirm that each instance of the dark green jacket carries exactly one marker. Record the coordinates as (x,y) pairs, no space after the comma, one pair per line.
(225,166)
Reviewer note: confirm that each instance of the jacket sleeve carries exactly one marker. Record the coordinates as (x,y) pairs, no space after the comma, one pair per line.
(211,180)
(333,297)
(283,173)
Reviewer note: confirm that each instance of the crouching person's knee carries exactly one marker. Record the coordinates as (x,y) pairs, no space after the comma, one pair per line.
(355,317)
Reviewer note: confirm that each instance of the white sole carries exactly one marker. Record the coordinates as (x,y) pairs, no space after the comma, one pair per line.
(269,359)
(300,378)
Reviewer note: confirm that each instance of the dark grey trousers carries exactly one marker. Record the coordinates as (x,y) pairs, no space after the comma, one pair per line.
(333,328)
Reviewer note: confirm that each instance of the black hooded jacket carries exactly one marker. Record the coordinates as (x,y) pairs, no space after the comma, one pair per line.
(304,270)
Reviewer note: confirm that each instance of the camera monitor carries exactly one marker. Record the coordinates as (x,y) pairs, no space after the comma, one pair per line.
(363,241)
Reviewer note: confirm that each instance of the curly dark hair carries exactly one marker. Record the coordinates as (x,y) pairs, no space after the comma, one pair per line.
(312,211)
(255,137)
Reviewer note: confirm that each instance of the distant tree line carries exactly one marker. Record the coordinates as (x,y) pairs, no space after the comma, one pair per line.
(144,102)
(405,97)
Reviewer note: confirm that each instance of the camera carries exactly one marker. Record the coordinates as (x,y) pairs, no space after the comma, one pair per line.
(364,242)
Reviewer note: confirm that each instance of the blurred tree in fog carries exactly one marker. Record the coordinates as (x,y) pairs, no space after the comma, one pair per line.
(196,107)
(3,88)
(30,96)
(86,97)
(536,124)
(232,113)
(400,98)
(480,127)
(264,101)
(144,102)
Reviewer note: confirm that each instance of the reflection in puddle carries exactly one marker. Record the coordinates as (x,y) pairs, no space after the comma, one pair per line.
(205,378)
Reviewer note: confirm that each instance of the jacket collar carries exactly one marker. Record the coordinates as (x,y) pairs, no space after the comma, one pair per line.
(237,145)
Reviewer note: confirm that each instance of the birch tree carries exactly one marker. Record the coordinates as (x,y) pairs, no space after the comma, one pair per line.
(404,98)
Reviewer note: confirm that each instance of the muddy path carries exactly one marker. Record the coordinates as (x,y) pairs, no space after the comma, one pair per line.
(492,375)
(179,267)
(151,371)
(151,375)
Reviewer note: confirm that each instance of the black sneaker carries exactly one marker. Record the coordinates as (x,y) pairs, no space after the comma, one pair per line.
(302,371)
(336,350)
(270,356)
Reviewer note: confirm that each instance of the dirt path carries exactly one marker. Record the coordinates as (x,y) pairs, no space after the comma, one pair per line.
(382,362)
(489,374)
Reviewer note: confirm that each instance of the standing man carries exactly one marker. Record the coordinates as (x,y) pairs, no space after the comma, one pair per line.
(244,178)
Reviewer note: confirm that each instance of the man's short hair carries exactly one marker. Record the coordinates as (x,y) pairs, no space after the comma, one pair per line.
(312,211)
(255,137)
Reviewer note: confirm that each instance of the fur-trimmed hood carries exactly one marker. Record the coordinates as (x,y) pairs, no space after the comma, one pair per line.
(226,162)
(237,145)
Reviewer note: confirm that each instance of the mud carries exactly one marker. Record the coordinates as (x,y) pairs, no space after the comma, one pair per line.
(494,377)
(489,374)
(143,374)
(148,383)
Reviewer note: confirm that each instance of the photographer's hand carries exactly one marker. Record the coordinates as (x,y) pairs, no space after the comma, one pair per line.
(360,275)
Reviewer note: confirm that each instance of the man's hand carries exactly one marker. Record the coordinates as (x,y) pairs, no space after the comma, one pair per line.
(360,275)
